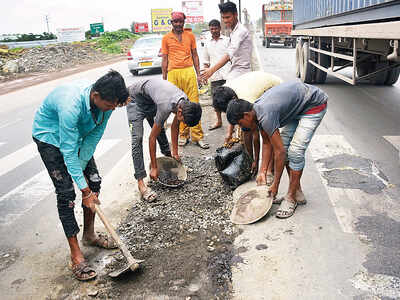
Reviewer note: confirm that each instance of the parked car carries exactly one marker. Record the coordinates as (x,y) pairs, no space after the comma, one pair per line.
(145,54)
(204,36)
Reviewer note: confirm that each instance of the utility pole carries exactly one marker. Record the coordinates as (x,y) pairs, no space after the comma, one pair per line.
(47,22)
(240,11)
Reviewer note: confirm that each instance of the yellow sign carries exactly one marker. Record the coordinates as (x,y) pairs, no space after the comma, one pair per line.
(161,19)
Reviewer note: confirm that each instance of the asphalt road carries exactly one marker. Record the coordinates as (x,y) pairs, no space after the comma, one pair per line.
(342,245)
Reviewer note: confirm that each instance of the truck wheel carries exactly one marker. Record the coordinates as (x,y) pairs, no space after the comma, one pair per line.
(307,70)
(263,42)
(320,75)
(298,59)
(380,78)
(267,42)
(294,44)
(392,76)
(363,69)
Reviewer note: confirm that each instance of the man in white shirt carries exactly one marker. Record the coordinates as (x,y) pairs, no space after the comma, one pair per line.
(214,50)
(240,47)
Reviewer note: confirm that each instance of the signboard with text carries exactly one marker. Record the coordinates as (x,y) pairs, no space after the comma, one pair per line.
(161,19)
(76,34)
(193,11)
(96,28)
(141,27)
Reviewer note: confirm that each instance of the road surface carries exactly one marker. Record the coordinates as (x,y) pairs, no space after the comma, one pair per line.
(344,244)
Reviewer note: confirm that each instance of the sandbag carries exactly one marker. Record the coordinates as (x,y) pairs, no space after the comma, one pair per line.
(224,156)
(238,171)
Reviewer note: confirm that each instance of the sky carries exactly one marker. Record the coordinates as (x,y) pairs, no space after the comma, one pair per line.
(28,16)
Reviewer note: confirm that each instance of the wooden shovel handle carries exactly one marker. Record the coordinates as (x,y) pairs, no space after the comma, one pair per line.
(134,263)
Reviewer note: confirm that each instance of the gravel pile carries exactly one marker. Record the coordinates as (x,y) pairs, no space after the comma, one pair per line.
(185,238)
(202,203)
(57,57)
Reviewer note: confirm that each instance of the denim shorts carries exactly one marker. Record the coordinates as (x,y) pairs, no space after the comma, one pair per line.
(296,137)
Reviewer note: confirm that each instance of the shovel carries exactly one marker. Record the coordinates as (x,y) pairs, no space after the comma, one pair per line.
(133,263)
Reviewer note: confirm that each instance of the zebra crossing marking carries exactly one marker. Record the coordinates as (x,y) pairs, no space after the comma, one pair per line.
(17,158)
(25,196)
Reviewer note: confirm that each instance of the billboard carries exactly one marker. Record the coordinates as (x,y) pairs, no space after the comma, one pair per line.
(193,11)
(76,34)
(141,27)
(161,19)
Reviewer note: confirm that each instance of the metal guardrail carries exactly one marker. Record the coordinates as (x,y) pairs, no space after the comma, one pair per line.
(29,44)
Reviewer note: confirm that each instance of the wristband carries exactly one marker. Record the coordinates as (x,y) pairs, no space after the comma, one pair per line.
(88,196)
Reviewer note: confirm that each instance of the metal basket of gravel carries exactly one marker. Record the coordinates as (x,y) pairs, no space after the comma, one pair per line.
(172,173)
(251,203)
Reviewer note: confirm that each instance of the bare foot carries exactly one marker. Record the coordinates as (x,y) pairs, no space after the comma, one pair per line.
(215,126)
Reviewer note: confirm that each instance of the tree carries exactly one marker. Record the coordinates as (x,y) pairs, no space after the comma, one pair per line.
(88,35)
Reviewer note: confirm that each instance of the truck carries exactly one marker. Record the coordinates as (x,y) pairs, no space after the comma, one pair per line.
(277,22)
(356,41)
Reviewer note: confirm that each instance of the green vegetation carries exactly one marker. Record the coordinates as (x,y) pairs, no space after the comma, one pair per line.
(110,42)
(32,37)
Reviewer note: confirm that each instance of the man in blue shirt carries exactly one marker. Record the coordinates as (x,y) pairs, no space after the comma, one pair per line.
(67,128)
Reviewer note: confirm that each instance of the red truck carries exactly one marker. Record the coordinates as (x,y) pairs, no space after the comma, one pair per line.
(277,20)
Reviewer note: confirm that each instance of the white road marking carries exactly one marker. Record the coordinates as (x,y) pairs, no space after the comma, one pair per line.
(17,158)
(39,186)
(395,141)
(324,146)
(10,123)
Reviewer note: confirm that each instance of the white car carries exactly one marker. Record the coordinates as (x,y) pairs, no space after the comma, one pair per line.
(145,54)
(204,36)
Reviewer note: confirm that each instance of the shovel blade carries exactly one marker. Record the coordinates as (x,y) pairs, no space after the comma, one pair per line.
(123,270)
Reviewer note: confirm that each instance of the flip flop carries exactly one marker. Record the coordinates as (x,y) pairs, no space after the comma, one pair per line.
(80,270)
(202,144)
(286,210)
(182,141)
(301,200)
(214,127)
(103,241)
(149,195)
(270,179)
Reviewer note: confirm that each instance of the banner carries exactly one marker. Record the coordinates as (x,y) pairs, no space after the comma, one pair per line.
(141,27)
(193,11)
(70,34)
(161,19)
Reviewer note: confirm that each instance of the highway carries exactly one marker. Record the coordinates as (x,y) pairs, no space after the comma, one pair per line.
(344,244)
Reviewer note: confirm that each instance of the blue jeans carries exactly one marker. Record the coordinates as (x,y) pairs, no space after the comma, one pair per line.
(296,137)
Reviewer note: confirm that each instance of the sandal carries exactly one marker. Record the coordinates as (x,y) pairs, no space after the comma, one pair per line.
(149,195)
(82,271)
(202,144)
(102,241)
(270,179)
(182,141)
(286,209)
(301,200)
